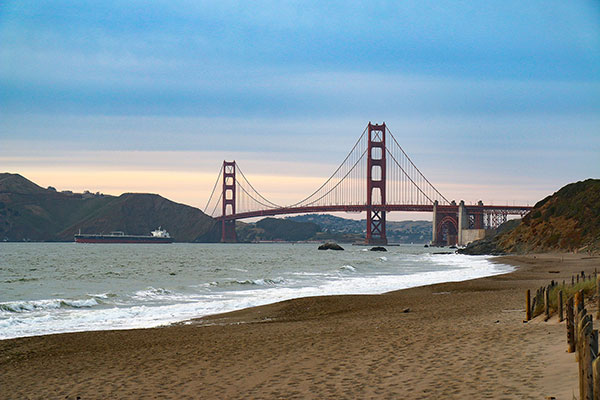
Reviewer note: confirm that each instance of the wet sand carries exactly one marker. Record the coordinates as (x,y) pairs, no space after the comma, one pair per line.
(463,340)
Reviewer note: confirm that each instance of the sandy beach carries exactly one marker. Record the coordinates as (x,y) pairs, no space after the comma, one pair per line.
(463,340)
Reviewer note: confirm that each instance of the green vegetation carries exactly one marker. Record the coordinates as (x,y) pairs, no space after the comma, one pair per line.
(588,286)
(351,230)
(325,227)
(276,229)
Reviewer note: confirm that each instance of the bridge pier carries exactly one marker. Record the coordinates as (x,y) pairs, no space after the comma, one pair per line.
(460,225)
(434,230)
(463,221)
(445,225)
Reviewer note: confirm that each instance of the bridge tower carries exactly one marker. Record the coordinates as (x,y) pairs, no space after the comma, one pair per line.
(376,174)
(228,226)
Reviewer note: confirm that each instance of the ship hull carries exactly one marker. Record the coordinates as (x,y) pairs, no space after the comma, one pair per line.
(121,239)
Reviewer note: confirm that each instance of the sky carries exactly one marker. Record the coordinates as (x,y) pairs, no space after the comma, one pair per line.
(496,101)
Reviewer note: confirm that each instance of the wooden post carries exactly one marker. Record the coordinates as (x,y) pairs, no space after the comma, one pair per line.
(587,391)
(588,361)
(579,318)
(598,296)
(570,326)
(560,306)
(582,344)
(578,301)
(547,302)
(596,373)
(579,359)
(594,344)
(528,305)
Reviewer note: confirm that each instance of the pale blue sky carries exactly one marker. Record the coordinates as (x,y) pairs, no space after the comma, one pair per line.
(498,100)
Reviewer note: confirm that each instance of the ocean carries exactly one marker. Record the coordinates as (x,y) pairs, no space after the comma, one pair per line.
(50,288)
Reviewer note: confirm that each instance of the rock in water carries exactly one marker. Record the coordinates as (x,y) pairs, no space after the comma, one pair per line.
(330,246)
(378,248)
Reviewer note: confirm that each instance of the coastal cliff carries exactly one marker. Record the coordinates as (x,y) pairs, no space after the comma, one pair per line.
(568,220)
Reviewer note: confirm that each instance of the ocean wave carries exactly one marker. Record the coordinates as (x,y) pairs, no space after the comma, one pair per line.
(21,280)
(107,295)
(51,304)
(152,292)
(301,273)
(383,258)
(347,268)
(252,282)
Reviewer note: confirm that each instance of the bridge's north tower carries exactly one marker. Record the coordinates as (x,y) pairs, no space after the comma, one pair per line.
(228,226)
(376,175)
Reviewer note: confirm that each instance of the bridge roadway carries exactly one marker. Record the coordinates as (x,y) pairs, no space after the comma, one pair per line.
(471,209)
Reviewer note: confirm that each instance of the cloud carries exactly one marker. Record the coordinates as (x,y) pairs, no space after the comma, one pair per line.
(489,96)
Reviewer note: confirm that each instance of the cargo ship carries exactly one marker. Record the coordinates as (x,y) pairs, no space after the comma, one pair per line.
(158,236)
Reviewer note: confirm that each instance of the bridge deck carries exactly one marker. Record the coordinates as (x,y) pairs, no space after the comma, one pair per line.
(509,210)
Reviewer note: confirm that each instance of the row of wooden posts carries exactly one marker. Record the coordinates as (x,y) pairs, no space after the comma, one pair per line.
(542,295)
(582,338)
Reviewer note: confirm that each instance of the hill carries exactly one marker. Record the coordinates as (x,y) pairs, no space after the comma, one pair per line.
(276,229)
(31,213)
(568,220)
(344,229)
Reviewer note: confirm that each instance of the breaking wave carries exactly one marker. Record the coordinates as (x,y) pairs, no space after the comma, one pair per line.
(40,305)
(251,282)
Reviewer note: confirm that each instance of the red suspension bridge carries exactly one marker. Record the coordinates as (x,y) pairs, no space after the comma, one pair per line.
(376,177)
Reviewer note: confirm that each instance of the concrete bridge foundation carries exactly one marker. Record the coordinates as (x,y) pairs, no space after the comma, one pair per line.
(454,225)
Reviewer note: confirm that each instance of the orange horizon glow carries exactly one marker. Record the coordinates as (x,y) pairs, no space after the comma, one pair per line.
(194,188)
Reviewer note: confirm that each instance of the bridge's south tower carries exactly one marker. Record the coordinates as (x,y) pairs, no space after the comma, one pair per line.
(228,226)
(376,174)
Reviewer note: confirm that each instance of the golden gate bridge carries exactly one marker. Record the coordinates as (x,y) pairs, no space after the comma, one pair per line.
(376,177)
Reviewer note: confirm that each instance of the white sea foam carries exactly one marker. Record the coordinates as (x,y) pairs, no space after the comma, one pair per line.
(160,305)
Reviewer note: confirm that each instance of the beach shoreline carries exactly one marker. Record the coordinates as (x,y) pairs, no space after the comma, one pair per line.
(456,340)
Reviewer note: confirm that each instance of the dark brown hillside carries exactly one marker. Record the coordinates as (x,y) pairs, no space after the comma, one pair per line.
(30,212)
(15,183)
(140,213)
(569,220)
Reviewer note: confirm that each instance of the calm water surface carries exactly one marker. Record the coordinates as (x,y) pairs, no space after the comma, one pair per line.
(66,287)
